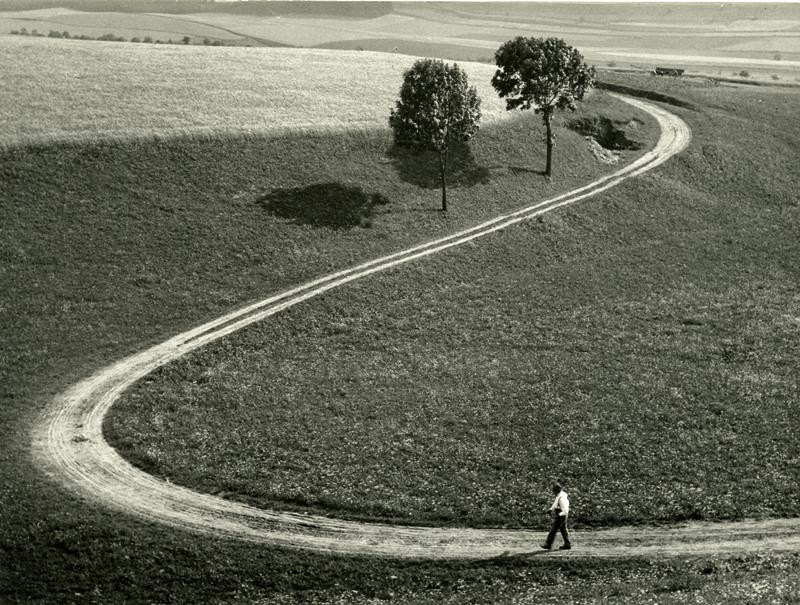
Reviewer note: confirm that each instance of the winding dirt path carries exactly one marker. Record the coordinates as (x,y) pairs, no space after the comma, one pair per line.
(69,442)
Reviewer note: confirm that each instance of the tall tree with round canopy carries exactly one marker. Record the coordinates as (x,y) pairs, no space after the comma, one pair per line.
(546,74)
(437,108)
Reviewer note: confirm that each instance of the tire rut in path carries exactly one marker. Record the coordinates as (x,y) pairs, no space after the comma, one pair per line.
(69,444)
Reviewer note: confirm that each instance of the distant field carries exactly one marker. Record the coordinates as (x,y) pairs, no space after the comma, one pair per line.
(74,90)
(460,52)
(127,25)
(435,25)
(705,39)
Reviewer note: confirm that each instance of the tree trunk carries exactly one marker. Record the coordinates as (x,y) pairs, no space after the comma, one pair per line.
(442,170)
(549,166)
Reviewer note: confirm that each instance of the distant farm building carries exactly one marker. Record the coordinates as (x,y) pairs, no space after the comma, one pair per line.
(667,71)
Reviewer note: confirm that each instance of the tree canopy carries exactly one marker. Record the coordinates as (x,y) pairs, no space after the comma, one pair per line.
(545,74)
(437,108)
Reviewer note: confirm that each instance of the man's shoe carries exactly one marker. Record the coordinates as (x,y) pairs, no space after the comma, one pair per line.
(544,546)
(565,547)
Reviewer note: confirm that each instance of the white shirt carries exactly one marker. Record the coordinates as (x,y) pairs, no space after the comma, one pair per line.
(561,502)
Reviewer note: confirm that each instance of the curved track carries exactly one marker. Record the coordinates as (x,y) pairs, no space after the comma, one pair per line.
(69,441)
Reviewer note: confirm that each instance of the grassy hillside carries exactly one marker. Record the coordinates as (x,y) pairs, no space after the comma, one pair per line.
(64,90)
(108,247)
(635,346)
(193,227)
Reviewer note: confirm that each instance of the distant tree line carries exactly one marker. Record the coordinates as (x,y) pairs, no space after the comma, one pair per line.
(364,10)
(114,38)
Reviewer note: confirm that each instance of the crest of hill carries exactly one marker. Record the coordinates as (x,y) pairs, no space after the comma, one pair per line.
(198,91)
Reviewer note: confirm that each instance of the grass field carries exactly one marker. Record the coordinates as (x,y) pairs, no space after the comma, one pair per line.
(112,245)
(63,90)
(627,347)
(108,247)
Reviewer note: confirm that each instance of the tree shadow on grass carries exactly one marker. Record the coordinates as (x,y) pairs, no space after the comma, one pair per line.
(331,205)
(523,170)
(421,168)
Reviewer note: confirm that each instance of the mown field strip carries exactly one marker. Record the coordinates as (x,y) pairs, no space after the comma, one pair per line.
(213,91)
(70,447)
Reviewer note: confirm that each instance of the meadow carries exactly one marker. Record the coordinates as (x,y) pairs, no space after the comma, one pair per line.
(630,347)
(108,245)
(63,90)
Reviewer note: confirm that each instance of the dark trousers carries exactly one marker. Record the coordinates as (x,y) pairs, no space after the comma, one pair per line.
(559,525)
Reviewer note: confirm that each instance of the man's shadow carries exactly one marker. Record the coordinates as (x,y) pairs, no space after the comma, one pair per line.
(421,168)
(331,205)
(518,556)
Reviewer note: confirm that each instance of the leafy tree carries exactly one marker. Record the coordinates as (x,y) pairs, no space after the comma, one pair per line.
(437,108)
(186,39)
(546,74)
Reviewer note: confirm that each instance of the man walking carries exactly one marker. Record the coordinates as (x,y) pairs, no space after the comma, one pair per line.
(560,512)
